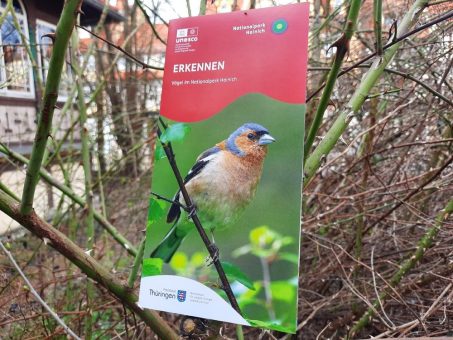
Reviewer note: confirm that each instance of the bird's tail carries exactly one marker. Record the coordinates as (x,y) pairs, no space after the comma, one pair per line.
(171,242)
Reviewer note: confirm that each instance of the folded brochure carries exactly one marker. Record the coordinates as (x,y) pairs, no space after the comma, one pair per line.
(233,96)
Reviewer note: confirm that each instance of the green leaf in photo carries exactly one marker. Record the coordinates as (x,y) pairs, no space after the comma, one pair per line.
(235,273)
(152,266)
(262,253)
(242,251)
(284,241)
(272,325)
(159,153)
(283,291)
(290,257)
(250,297)
(156,210)
(175,133)
(261,236)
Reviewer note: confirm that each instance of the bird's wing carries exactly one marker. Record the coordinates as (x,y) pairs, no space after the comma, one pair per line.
(202,161)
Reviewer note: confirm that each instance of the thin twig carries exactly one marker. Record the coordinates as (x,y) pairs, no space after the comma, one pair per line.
(36,295)
(48,178)
(432,308)
(373,275)
(138,61)
(148,19)
(402,74)
(92,268)
(355,103)
(435,21)
(160,197)
(424,243)
(409,195)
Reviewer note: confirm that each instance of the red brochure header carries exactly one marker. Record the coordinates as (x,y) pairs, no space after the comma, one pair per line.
(213,60)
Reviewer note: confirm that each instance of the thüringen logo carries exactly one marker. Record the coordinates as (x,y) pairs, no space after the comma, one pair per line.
(279,26)
(181,295)
(164,295)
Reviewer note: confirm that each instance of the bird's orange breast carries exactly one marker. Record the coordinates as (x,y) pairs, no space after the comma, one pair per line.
(224,188)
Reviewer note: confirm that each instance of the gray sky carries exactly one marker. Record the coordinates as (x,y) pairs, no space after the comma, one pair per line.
(172,9)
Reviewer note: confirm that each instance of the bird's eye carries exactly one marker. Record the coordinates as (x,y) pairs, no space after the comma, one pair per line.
(250,136)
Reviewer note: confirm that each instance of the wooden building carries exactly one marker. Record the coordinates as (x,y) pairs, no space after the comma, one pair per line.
(20,93)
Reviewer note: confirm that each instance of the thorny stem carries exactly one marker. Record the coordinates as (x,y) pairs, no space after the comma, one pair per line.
(435,21)
(86,162)
(424,243)
(136,266)
(47,177)
(194,216)
(86,263)
(360,95)
(69,101)
(63,33)
(342,48)
(377,14)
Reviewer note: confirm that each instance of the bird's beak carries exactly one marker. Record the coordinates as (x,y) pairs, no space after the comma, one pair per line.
(266,139)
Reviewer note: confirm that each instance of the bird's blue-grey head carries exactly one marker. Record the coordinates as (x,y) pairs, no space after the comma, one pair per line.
(255,133)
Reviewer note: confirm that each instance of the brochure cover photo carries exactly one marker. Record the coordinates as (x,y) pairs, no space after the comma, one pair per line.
(233,125)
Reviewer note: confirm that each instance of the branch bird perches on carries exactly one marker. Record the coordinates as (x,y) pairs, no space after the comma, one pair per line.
(212,249)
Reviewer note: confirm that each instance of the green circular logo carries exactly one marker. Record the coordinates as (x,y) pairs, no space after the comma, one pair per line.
(279,26)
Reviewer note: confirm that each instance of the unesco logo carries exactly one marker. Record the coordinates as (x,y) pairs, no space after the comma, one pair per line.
(181,295)
(279,26)
(184,35)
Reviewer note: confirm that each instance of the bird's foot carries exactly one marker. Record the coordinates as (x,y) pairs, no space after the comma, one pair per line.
(191,211)
(220,285)
(214,250)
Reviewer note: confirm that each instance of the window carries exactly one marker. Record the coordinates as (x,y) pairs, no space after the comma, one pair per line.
(16,74)
(44,47)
